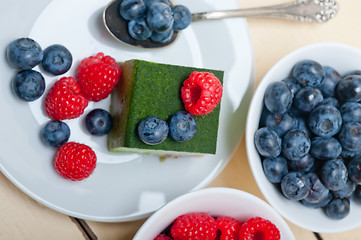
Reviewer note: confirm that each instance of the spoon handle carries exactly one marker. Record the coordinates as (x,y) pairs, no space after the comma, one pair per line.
(319,11)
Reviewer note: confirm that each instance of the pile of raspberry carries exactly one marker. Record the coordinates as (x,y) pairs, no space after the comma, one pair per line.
(202,226)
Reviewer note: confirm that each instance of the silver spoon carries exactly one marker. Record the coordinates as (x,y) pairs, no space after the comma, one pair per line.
(319,11)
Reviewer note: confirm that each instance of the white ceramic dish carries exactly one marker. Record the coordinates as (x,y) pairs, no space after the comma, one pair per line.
(216,202)
(123,187)
(344,59)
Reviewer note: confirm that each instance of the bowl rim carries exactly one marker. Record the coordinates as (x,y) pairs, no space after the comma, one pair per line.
(206,194)
(254,110)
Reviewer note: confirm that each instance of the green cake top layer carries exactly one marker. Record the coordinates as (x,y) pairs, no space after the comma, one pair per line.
(154,89)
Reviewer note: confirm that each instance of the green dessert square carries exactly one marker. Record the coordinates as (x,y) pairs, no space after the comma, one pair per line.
(153,89)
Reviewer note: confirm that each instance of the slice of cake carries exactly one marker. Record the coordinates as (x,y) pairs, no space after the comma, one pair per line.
(154,89)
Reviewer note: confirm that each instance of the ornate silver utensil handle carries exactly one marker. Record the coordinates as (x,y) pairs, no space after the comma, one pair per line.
(319,11)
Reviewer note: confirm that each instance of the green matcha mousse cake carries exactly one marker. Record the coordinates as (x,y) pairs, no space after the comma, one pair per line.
(153,89)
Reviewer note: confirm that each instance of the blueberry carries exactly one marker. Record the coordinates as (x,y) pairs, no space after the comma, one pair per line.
(182,17)
(334,174)
(353,72)
(275,168)
(305,164)
(308,73)
(57,59)
(295,186)
(357,194)
(132,9)
(349,89)
(281,123)
(307,99)
(138,29)
(263,118)
(351,112)
(182,126)
(348,155)
(338,208)
(24,53)
(162,37)
(98,122)
(150,2)
(302,125)
(354,170)
(294,112)
(325,121)
(346,191)
(153,130)
(267,142)
(159,17)
(325,148)
(293,85)
(278,97)
(331,78)
(295,144)
(331,101)
(320,204)
(318,191)
(28,85)
(350,136)
(55,133)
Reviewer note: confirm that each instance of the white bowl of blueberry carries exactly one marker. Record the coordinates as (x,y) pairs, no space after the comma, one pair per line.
(303,137)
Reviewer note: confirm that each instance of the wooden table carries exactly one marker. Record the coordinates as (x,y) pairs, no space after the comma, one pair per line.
(23,218)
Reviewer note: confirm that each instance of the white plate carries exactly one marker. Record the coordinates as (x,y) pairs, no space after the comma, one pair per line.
(123,187)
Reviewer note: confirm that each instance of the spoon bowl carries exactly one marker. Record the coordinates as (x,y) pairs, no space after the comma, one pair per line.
(118,28)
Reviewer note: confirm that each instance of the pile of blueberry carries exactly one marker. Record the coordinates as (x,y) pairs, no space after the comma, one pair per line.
(309,137)
(24,54)
(154,19)
(154,130)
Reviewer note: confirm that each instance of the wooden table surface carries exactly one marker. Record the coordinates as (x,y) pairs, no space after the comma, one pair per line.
(23,218)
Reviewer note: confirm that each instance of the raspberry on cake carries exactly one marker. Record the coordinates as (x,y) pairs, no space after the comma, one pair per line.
(153,89)
(201,93)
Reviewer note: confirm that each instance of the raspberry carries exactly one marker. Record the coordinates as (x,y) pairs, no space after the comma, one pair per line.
(229,228)
(201,93)
(97,76)
(75,161)
(64,100)
(258,228)
(191,226)
(162,237)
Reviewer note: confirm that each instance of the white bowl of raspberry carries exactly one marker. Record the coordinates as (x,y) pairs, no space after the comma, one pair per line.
(214,209)
(304,169)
